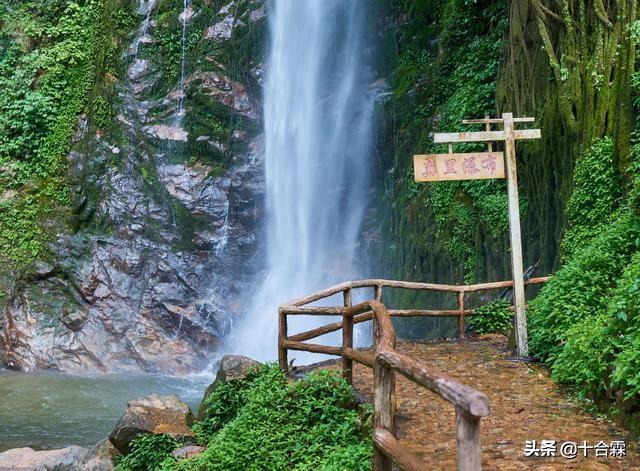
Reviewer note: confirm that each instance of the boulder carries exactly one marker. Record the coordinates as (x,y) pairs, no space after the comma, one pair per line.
(152,414)
(231,367)
(164,132)
(187,452)
(101,457)
(27,459)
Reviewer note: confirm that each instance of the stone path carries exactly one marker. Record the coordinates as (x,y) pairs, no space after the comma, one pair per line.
(526,405)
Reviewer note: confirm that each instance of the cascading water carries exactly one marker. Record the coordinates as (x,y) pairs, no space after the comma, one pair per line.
(144,7)
(185,17)
(318,113)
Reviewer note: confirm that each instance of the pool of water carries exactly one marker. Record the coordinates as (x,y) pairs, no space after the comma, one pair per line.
(53,410)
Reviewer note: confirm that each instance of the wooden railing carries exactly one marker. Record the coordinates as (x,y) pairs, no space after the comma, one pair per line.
(470,405)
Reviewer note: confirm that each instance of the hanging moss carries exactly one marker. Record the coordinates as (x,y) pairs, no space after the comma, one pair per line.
(446,71)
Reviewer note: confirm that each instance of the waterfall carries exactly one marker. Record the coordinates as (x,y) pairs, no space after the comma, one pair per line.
(145,8)
(318,113)
(184,17)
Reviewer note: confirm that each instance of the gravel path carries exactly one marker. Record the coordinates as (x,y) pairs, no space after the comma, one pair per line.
(526,405)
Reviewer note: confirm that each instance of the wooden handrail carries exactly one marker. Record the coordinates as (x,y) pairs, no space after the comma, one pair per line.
(326,329)
(383,283)
(470,404)
(386,361)
(391,447)
(468,399)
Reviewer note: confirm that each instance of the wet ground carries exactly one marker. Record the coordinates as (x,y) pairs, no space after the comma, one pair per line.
(526,405)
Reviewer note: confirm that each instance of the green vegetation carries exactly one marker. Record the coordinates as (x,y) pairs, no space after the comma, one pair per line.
(448,56)
(445,72)
(223,404)
(266,422)
(49,60)
(47,68)
(493,317)
(61,60)
(585,322)
(572,65)
(148,452)
(595,195)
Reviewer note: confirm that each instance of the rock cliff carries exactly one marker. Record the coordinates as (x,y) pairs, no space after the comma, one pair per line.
(151,265)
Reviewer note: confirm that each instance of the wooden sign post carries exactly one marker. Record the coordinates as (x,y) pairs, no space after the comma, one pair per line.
(479,165)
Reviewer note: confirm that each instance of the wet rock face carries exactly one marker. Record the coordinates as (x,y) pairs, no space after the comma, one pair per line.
(153,414)
(167,206)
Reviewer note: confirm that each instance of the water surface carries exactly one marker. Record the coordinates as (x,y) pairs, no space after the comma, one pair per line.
(53,410)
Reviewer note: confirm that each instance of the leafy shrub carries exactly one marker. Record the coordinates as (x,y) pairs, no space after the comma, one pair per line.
(101,112)
(223,404)
(491,318)
(595,193)
(585,323)
(584,357)
(602,352)
(624,331)
(304,425)
(47,67)
(583,287)
(148,453)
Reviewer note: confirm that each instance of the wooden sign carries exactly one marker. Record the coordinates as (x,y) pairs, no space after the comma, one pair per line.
(484,136)
(470,166)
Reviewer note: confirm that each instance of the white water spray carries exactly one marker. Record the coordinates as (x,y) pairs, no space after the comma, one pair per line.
(185,17)
(145,8)
(318,136)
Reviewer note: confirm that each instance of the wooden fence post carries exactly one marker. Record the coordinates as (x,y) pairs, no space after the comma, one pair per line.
(384,400)
(283,362)
(377,293)
(347,338)
(468,441)
(461,315)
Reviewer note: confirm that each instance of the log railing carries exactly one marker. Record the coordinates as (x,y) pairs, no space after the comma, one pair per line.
(470,405)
